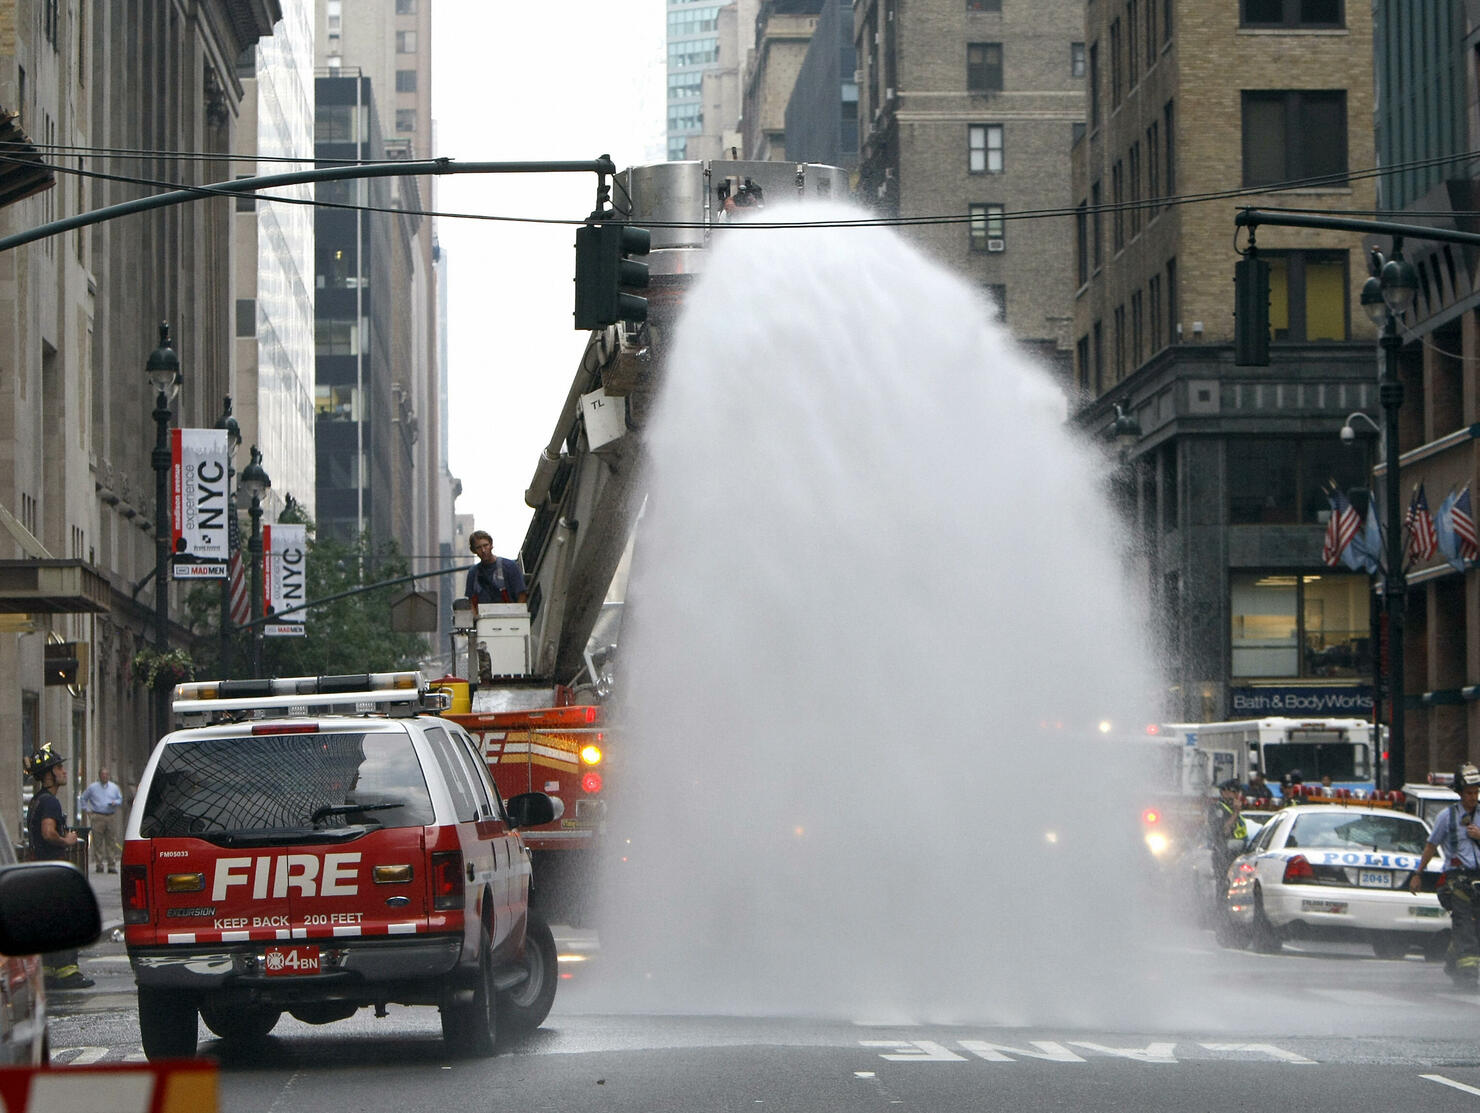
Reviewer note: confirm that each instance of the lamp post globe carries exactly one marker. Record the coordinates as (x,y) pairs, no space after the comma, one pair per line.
(1373,303)
(1399,284)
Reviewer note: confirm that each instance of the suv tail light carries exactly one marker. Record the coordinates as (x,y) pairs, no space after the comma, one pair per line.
(1298,871)
(135,882)
(447,879)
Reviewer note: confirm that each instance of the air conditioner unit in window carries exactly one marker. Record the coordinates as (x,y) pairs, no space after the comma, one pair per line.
(888,95)
(858,77)
(996,245)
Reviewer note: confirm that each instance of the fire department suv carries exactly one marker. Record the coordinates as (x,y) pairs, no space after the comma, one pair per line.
(319,844)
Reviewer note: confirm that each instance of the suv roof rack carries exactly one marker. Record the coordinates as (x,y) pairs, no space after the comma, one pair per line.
(375,693)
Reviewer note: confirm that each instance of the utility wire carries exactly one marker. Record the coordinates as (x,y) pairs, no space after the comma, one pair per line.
(1320,181)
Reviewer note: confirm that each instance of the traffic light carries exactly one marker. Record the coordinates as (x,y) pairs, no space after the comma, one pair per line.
(1251,312)
(604,271)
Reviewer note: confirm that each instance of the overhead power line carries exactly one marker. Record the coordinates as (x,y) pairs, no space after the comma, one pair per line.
(1145,204)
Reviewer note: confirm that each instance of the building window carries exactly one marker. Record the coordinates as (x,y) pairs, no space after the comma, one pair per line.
(987,225)
(335,338)
(246,316)
(1150,33)
(1300,626)
(1076,59)
(997,292)
(405,7)
(1292,135)
(1153,168)
(405,42)
(1172,308)
(1081,243)
(1135,189)
(1081,359)
(405,81)
(1153,299)
(1097,237)
(405,119)
(1117,201)
(983,67)
(1291,13)
(1166,123)
(984,6)
(1137,324)
(984,148)
(1094,85)
(1115,63)
(1132,47)
(1283,480)
(1098,355)
(1308,295)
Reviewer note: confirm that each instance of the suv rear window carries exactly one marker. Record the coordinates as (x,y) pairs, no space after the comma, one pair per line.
(253,785)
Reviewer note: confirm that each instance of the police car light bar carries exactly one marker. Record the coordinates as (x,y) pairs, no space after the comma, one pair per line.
(368,691)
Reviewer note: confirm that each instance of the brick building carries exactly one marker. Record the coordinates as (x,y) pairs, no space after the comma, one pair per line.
(1189,104)
(969,110)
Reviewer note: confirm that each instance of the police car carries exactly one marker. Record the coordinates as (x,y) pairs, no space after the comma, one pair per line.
(317,845)
(1336,871)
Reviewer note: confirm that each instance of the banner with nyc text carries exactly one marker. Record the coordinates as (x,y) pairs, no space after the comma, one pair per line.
(198,515)
(285,553)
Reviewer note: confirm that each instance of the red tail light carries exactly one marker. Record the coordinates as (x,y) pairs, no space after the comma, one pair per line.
(447,879)
(591,782)
(135,882)
(1150,816)
(1298,871)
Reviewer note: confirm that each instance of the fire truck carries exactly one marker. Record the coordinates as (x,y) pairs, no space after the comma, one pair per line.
(533,681)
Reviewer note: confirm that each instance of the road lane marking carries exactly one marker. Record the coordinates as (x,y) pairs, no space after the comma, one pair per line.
(1002,1053)
(915,1051)
(1439,1078)
(1359,998)
(1152,1053)
(1261,1049)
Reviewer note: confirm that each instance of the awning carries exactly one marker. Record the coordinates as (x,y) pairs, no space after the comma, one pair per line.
(52,587)
(22,171)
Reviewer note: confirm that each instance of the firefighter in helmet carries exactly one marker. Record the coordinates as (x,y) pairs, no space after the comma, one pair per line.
(1456,836)
(50,839)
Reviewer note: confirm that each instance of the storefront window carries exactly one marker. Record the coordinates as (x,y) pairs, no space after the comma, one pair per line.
(1300,626)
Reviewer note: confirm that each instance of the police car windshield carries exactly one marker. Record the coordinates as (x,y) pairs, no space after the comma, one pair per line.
(215,787)
(1337,829)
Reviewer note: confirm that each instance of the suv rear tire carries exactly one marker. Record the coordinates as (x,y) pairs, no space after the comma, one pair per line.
(470,1030)
(523,1008)
(168,1024)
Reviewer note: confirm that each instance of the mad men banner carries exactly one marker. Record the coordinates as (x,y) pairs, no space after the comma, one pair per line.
(198,525)
(285,552)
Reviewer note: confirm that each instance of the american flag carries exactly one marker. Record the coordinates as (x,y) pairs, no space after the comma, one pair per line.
(236,581)
(1463,522)
(1340,530)
(1423,539)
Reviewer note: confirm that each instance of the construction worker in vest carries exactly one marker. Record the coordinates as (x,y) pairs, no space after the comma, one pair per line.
(1456,836)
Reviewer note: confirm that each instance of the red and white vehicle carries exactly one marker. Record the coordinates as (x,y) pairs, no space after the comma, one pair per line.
(320,844)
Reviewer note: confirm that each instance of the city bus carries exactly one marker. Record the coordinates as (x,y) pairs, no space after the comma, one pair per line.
(1314,748)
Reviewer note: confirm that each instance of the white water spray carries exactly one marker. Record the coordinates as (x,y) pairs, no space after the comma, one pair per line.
(878,607)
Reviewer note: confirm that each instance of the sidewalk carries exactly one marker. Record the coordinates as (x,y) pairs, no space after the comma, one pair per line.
(105,887)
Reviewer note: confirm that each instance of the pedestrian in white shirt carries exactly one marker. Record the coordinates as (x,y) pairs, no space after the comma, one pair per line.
(102,801)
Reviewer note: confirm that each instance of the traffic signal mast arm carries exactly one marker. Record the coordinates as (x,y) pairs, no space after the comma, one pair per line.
(602,166)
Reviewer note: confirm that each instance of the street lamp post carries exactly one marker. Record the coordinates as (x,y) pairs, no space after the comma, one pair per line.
(163,371)
(233,441)
(254,482)
(1385,297)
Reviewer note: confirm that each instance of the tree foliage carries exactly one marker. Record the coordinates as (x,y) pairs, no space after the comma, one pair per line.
(348,635)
